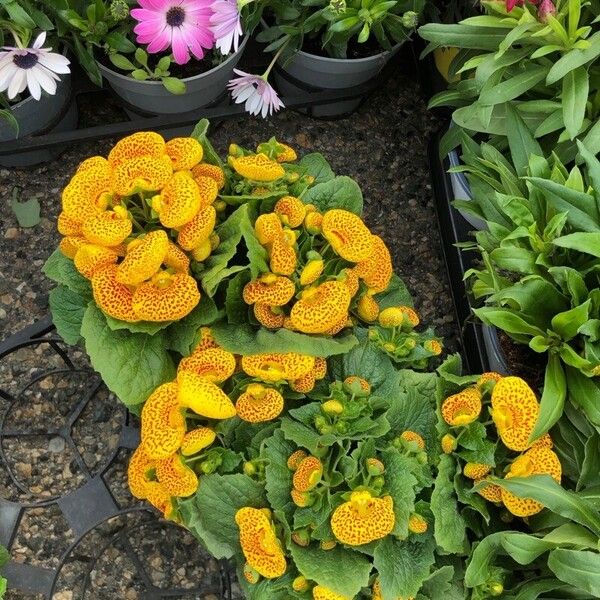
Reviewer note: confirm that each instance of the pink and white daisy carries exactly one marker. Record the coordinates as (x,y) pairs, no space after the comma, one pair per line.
(183,25)
(35,68)
(225,23)
(256,92)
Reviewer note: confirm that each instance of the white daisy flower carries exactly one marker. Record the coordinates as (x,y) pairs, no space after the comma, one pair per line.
(35,68)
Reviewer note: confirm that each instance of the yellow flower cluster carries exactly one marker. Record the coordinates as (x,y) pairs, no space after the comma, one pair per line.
(514,410)
(130,220)
(315,293)
(158,470)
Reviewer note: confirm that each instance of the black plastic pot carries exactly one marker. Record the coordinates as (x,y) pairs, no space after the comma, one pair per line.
(480,343)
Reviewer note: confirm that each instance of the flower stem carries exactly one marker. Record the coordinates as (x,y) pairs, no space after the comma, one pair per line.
(265,75)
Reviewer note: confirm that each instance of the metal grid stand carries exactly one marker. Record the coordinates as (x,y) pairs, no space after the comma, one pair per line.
(91,506)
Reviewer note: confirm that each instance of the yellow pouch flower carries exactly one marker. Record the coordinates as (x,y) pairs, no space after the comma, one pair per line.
(203,396)
(376,270)
(274,366)
(142,143)
(179,201)
(476,470)
(321,308)
(515,410)
(196,440)
(282,257)
(462,408)
(347,234)
(320,592)
(212,172)
(363,519)
(142,174)
(163,424)
(68,226)
(166,297)
(257,167)
(144,257)
(176,477)
(176,259)
(259,543)
(198,230)
(109,228)
(268,228)
(270,289)
(88,193)
(259,403)
(267,316)
(367,308)
(113,298)
(308,474)
(90,258)
(215,364)
(291,211)
(184,152)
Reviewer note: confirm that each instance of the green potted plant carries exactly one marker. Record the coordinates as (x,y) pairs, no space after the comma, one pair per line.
(335,45)
(35,85)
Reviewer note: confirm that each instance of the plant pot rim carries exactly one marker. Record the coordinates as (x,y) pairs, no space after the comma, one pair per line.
(118,75)
(352,60)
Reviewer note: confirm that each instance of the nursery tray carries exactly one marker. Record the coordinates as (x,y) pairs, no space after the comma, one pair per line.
(453,229)
(222,109)
(92,528)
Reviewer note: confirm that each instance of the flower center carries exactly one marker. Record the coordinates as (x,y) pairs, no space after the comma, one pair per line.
(25,61)
(175,16)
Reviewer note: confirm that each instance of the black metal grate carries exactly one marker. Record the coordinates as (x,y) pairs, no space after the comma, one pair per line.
(49,394)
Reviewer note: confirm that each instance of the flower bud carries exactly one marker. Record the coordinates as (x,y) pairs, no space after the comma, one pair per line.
(448,443)
(300,584)
(328,544)
(410,19)
(341,427)
(301,537)
(545,9)
(118,10)
(235,150)
(332,407)
(422,458)
(495,588)
(249,469)
(375,466)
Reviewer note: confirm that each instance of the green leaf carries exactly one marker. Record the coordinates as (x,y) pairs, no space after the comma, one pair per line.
(174,85)
(449,525)
(121,62)
(61,269)
(140,75)
(326,566)
(340,192)
(200,133)
(396,294)
(27,213)
(183,335)
(401,485)
(316,164)
(245,339)
(278,478)
(301,435)
(19,15)
(580,568)
(586,242)
(147,327)
(210,513)
(235,307)
(514,87)
(507,320)
(567,323)
(520,140)
(575,92)
(574,59)
(132,365)
(585,393)
(141,56)
(559,500)
(403,565)
(553,397)
(67,308)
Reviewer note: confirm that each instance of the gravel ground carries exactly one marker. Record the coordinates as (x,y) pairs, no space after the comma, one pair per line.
(383,146)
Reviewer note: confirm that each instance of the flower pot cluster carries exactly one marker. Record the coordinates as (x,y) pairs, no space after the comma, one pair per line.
(172,56)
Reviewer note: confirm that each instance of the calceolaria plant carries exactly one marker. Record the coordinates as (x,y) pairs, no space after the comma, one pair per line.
(538,58)
(503,481)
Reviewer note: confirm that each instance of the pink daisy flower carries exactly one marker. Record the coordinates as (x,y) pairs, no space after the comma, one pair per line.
(183,25)
(256,92)
(226,25)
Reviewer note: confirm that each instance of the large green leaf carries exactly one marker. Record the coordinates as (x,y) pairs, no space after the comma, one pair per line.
(449,525)
(245,339)
(132,365)
(575,92)
(580,568)
(514,87)
(340,192)
(278,478)
(61,269)
(574,59)
(68,308)
(210,513)
(553,397)
(342,571)
(520,140)
(316,165)
(403,565)
(586,242)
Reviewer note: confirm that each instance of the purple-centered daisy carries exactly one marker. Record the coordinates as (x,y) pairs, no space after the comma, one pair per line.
(256,92)
(35,68)
(183,25)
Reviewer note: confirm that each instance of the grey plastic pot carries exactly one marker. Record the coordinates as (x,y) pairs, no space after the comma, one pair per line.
(323,73)
(152,97)
(462,191)
(496,360)
(49,114)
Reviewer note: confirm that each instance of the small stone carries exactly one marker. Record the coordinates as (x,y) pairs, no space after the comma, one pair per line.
(2,313)
(66,595)
(56,444)
(11,233)
(23,469)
